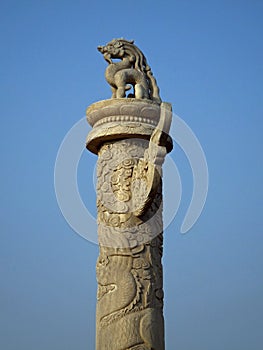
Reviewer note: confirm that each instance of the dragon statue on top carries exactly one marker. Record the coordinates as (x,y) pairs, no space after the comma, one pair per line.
(131,71)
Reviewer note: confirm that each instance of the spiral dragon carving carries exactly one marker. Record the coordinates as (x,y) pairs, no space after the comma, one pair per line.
(130,135)
(132,71)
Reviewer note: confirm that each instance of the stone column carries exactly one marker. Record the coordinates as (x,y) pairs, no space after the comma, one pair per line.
(130,137)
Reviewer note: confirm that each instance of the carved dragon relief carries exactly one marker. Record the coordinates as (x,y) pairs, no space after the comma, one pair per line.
(130,274)
(129,202)
(129,280)
(131,71)
(135,300)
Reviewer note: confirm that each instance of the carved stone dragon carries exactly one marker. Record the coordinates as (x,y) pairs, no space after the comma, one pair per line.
(131,71)
(131,139)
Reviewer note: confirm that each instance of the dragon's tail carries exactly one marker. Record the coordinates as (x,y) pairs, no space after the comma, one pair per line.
(154,89)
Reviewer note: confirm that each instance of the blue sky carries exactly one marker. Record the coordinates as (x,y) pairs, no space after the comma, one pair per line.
(207,58)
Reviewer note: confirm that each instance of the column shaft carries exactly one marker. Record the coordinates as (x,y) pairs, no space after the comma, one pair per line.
(129,269)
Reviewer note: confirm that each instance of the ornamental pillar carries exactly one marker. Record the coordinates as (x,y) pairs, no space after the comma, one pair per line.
(130,136)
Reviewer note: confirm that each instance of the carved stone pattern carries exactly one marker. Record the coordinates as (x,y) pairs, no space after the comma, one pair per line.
(123,118)
(137,108)
(132,71)
(129,269)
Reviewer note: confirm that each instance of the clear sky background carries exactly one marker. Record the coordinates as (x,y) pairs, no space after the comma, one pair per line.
(207,57)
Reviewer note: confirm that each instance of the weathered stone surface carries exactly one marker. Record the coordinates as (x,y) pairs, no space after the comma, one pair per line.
(129,270)
(131,71)
(115,119)
(130,136)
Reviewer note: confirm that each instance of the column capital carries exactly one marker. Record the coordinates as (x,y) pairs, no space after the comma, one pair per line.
(122,118)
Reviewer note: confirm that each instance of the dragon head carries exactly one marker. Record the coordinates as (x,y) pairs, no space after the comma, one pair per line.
(114,49)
